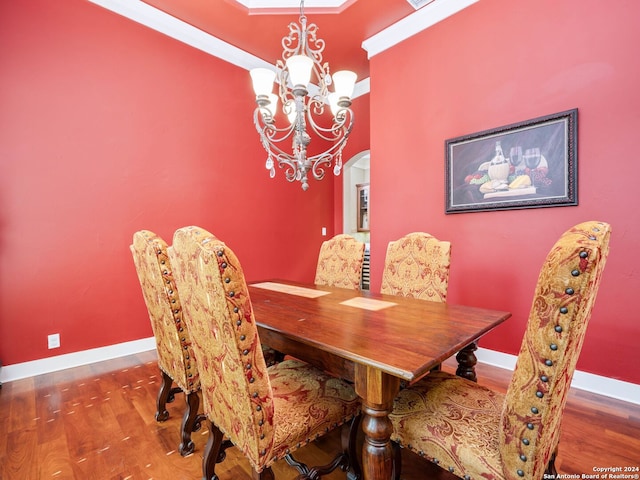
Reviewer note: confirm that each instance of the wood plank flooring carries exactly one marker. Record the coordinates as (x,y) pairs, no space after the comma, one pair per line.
(97,422)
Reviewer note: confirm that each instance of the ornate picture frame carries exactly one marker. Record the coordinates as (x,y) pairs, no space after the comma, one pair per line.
(529,164)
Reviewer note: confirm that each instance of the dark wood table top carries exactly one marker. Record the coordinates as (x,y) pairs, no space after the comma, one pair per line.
(405,339)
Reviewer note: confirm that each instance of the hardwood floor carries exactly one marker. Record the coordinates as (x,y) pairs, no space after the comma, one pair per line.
(97,422)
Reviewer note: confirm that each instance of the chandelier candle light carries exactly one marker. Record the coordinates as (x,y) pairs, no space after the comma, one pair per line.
(301,57)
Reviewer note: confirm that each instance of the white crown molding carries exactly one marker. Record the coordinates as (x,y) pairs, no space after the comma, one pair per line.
(362,88)
(162,22)
(422,19)
(608,387)
(290,4)
(145,14)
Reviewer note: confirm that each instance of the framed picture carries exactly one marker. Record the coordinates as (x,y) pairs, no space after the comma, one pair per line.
(529,164)
(362,196)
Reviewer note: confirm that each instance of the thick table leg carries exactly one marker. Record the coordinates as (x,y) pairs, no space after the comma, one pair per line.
(377,390)
(467,362)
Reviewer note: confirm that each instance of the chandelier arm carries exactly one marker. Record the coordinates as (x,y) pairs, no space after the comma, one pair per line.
(340,127)
(319,163)
(285,160)
(273,150)
(317,104)
(335,149)
(290,166)
(269,130)
(313,46)
(294,38)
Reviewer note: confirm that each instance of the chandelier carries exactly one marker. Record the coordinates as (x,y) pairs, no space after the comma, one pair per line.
(309,109)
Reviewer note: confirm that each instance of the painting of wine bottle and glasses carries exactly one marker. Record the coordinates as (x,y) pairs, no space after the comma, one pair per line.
(529,164)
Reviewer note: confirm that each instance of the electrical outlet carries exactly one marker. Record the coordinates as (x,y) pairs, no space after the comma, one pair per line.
(54,341)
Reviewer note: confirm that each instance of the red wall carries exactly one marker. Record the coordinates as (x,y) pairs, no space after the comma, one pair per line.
(107,127)
(359,141)
(497,63)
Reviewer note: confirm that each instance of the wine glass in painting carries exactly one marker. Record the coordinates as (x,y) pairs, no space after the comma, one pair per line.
(532,160)
(515,156)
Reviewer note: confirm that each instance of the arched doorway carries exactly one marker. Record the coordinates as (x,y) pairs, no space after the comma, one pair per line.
(356,173)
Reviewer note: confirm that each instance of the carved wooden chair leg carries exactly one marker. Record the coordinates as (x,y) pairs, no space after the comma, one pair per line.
(316,473)
(279,356)
(466,362)
(397,461)
(350,447)
(347,460)
(163,397)
(551,466)
(272,356)
(216,445)
(266,474)
(214,452)
(191,422)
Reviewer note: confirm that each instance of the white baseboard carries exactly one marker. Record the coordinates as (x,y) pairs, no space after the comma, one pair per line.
(609,387)
(76,359)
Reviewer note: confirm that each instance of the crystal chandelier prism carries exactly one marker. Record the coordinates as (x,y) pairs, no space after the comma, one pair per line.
(307,104)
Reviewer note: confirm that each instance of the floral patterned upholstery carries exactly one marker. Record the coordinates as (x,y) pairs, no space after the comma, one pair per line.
(340,262)
(417,265)
(175,353)
(267,413)
(452,421)
(480,434)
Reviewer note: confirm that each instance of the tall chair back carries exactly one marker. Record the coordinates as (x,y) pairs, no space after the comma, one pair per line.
(560,312)
(234,374)
(267,413)
(513,435)
(340,262)
(173,343)
(417,265)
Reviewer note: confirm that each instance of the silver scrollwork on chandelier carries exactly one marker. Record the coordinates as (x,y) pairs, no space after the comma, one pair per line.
(305,106)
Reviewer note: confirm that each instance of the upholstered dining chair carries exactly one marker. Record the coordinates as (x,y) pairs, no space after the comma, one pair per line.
(175,354)
(478,433)
(266,412)
(340,262)
(417,265)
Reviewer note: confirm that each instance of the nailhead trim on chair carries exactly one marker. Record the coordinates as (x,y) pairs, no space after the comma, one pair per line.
(176,312)
(569,291)
(562,305)
(223,264)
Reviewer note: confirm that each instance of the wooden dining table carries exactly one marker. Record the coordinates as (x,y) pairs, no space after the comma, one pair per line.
(376,341)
